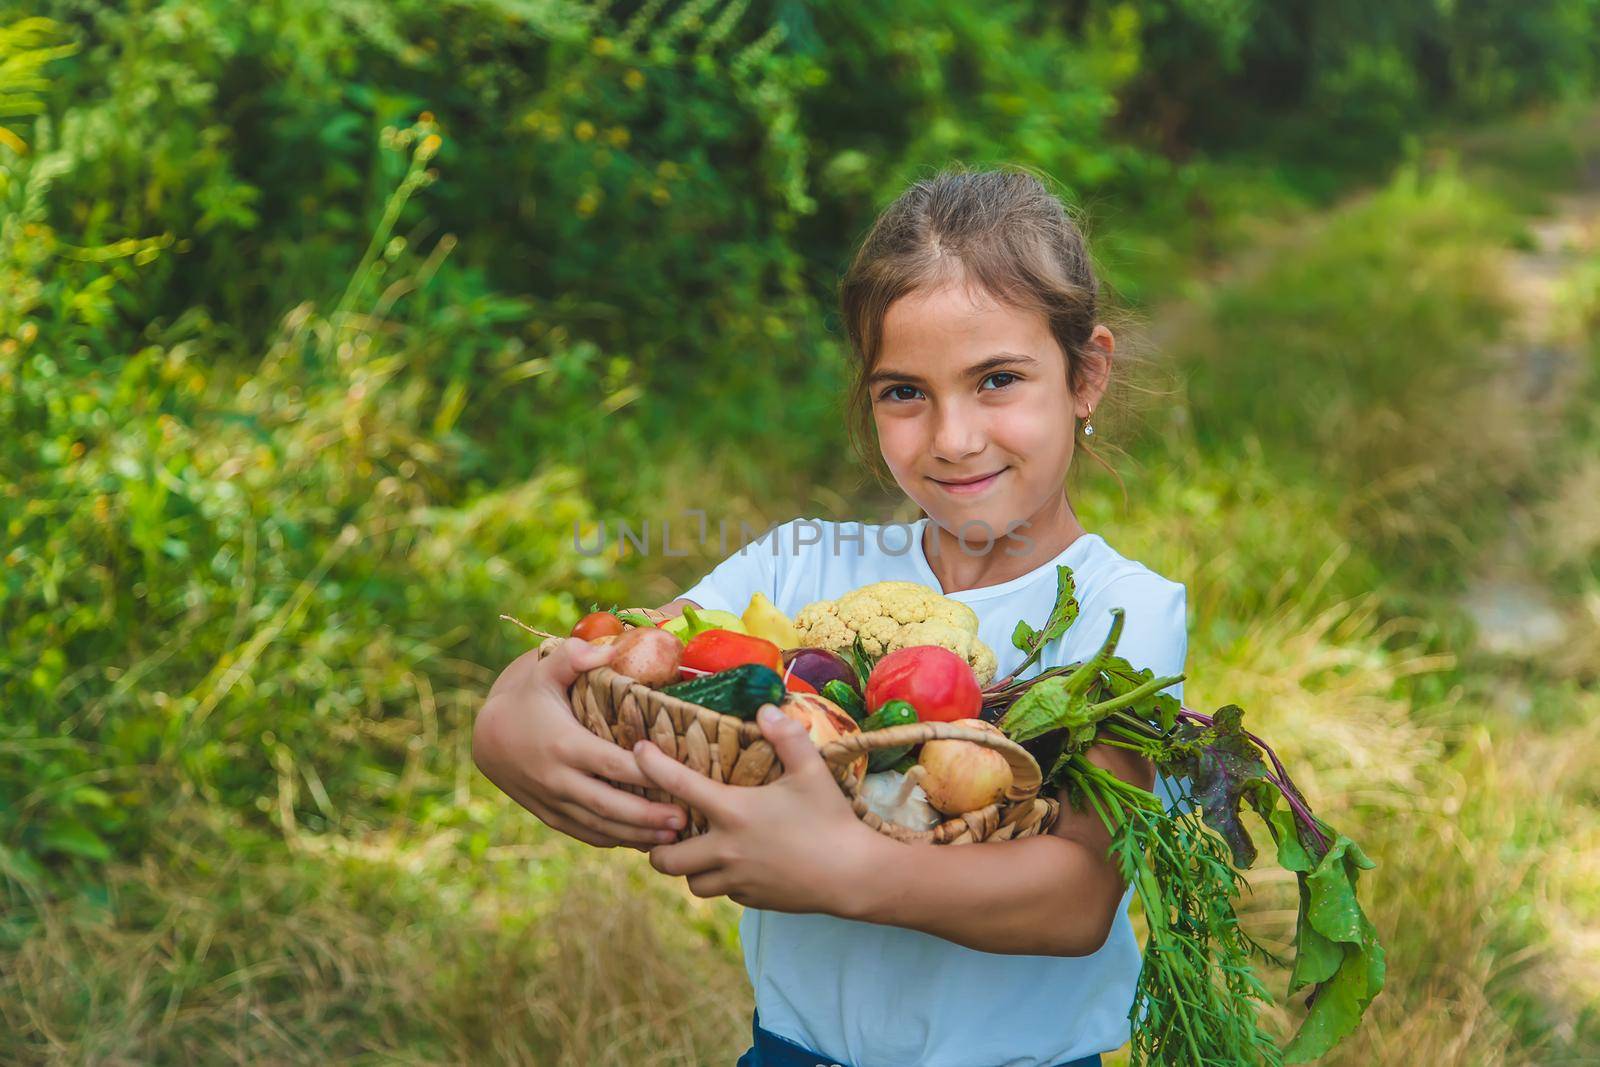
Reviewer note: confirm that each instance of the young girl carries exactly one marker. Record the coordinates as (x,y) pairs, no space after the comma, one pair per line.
(972,314)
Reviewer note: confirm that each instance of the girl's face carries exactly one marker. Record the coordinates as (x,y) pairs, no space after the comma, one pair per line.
(973,411)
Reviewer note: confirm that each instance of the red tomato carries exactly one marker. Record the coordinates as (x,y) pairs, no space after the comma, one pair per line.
(597,624)
(717,650)
(796,684)
(936,681)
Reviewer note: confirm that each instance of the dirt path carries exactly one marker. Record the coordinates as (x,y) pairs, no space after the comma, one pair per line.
(1517,614)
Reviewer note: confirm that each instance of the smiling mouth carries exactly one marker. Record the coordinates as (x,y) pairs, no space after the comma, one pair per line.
(969,484)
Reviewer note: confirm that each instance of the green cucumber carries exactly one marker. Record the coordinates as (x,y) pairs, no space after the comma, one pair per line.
(893,713)
(844,695)
(738,691)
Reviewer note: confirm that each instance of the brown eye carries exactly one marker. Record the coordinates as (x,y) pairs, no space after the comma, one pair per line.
(999,374)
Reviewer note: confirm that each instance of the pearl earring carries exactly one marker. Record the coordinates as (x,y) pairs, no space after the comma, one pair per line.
(1088,427)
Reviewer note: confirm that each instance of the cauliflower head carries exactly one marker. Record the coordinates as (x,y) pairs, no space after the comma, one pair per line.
(892,615)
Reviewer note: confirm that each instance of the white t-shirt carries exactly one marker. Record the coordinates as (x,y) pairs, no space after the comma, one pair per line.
(881,996)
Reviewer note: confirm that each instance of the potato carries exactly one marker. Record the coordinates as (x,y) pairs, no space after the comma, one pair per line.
(648,656)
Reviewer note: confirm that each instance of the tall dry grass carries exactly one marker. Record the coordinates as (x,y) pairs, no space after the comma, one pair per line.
(410,947)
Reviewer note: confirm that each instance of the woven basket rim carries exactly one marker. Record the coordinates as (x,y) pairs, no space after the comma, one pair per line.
(749,729)
(1026,778)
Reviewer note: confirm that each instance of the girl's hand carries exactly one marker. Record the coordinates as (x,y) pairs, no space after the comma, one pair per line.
(791,845)
(527,741)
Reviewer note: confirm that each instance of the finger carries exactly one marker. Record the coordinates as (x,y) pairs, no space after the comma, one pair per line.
(791,743)
(715,883)
(619,831)
(694,856)
(606,759)
(664,772)
(593,837)
(573,656)
(554,818)
(561,824)
(620,806)
(517,674)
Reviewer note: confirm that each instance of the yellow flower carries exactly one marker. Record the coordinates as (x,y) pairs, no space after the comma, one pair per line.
(77,450)
(618,136)
(584,130)
(429,146)
(27,333)
(660,194)
(603,46)
(634,80)
(666,170)
(588,203)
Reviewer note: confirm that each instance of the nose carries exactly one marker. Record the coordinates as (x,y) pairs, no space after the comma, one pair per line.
(957,433)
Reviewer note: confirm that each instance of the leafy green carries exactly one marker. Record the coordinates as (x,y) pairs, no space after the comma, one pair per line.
(1063,701)
(1226,770)
(1051,705)
(1338,954)
(1198,997)
(1031,642)
(1120,678)
(862,662)
(635,618)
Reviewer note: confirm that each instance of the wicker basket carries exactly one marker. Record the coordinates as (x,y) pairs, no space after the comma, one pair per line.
(1020,813)
(728,749)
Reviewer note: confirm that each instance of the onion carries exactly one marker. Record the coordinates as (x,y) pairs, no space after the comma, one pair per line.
(824,721)
(962,776)
(818,666)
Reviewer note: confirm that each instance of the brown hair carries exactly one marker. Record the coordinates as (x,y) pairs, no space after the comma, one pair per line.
(1008,234)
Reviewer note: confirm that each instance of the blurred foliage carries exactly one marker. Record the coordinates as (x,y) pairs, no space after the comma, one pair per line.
(1346,367)
(323,322)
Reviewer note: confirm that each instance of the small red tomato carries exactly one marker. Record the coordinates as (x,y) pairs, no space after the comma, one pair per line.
(796,684)
(597,624)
